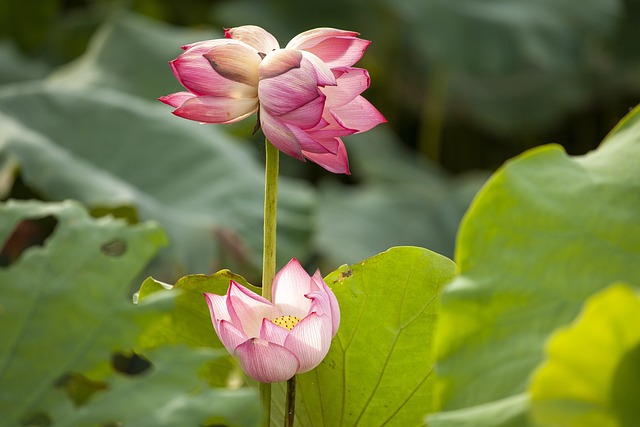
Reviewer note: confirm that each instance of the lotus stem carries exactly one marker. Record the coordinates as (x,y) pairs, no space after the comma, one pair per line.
(269,247)
(290,404)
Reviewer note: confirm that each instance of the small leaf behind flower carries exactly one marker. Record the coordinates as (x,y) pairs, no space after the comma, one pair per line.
(189,323)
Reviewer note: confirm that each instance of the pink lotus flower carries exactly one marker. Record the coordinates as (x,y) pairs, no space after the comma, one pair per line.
(275,341)
(307,95)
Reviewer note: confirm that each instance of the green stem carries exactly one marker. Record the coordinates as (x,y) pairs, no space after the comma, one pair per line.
(269,247)
(265,397)
(290,402)
(270,205)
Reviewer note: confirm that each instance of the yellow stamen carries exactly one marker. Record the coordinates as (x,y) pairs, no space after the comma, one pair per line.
(287,322)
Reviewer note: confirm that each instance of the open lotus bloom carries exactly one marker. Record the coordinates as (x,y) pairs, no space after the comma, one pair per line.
(273,341)
(307,95)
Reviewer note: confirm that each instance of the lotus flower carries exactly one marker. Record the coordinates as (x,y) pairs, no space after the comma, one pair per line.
(307,95)
(273,341)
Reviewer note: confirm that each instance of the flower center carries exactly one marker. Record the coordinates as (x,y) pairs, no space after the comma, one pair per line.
(287,322)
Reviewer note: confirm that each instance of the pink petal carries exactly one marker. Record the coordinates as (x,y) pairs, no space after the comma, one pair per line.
(290,285)
(266,362)
(217,306)
(279,134)
(332,128)
(324,75)
(359,114)
(195,73)
(273,333)
(330,135)
(337,48)
(230,336)
(213,109)
(335,163)
(254,36)
(235,61)
(287,91)
(319,303)
(312,145)
(203,46)
(217,309)
(351,83)
(176,99)
(310,340)
(248,309)
(306,116)
(314,36)
(333,302)
(279,62)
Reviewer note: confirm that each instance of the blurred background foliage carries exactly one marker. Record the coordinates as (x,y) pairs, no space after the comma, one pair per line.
(465,85)
(468,83)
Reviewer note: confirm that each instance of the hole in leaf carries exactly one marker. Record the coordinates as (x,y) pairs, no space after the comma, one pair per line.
(26,234)
(21,191)
(130,363)
(115,248)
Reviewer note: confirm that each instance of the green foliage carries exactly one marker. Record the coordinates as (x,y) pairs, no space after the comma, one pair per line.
(108,150)
(65,305)
(517,64)
(545,233)
(401,200)
(508,412)
(16,67)
(591,375)
(129,53)
(65,311)
(379,368)
(170,395)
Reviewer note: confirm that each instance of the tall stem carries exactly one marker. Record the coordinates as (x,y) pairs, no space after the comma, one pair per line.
(290,404)
(269,247)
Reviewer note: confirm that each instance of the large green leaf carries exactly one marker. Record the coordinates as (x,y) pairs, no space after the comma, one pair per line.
(65,306)
(108,149)
(508,412)
(66,309)
(379,368)
(170,395)
(591,376)
(545,233)
(130,53)
(15,67)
